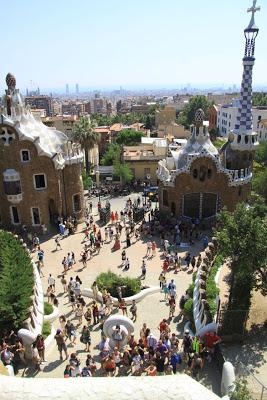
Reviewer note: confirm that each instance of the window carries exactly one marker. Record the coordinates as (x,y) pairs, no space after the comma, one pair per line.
(209,173)
(25,155)
(195,173)
(14,215)
(12,188)
(35,216)
(202,173)
(165,199)
(76,203)
(39,181)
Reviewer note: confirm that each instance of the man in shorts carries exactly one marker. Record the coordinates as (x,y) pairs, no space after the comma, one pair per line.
(61,345)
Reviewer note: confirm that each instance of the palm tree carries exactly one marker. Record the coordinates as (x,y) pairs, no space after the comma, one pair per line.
(85,134)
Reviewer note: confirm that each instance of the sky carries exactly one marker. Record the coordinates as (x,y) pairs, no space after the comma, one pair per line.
(138,43)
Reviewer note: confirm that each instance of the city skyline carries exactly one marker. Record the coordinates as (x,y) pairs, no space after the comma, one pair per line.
(151,45)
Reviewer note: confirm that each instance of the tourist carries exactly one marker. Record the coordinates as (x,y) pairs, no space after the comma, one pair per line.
(116,355)
(64,283)
(52,283)
(88,315)
(123,307)
(57,242)
(136,363)
(68,371)
(160,363)
(172,289)
(196,366)
(161,279)
(172,307)
(61,345)
(70,332)
(79,314)
(187,259)
(148,249)
(133,310)
(151,370)
(109,366)
(187,343)
(86,338)
(154,248)
(40,344)
(94,288)
(123,257)
(126,361)
(143,269)
(95,312)
(75,364)
(175,361)
(36,359)
(118,335)
(211,341)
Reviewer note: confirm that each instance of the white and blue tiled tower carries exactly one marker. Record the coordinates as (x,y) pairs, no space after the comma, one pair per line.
(244,139)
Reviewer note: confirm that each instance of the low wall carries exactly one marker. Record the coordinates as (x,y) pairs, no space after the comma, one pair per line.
(172,387)
(128,300)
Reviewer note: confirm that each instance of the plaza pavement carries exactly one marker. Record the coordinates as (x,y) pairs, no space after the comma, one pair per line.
(150,310)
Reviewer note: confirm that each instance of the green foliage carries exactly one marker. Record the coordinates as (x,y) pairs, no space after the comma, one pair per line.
(111,155)
(187,116)
(85,134)
(259,99)
(16,282)
(123,171)
(241,391)
(46,329)
(218,143)
(87,180)
(110,282)
(261,153)
(128,137)
(211,289)
(242,237)
(127,119)
(259,183)
(48,308)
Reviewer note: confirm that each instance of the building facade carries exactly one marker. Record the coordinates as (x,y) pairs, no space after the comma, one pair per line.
(197,181)
(227,114)
(40,168)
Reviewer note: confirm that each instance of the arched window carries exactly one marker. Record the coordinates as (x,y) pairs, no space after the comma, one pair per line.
(202,173)
(195,173)
(173,208)
(76,203)
(165,199)
(209,173)
(246,139)
(238,138)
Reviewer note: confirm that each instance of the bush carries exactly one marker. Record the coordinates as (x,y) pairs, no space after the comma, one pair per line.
(16,282)
(241,391)
(46,329)
(211,289)
(87,180)
(110,282)
(48,308)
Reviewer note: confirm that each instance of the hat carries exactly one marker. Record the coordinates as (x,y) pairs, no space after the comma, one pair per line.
(186,331)
(58,331)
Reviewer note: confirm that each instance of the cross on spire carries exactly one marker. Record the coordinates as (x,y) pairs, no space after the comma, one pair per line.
(253,10)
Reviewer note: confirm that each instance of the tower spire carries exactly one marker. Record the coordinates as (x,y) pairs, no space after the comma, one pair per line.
(244,139)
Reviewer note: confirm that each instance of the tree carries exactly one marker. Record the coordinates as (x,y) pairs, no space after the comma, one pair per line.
(129,137)
(259,183)
(261,153)
(123,171)
(242,237)
(241,391)
(85,134)
(187,116)
(16,282)
(259,99)
(111,155)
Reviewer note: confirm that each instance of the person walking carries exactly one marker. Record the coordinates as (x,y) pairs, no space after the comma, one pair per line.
(57,242)
(143,270)
(86,338)
(61,345)
(133,310)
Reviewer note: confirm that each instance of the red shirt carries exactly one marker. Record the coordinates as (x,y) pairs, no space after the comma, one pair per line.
(162,326)
(211,339)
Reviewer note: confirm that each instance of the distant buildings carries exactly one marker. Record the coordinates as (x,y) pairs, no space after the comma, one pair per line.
(262,130)
(67,89)
(165,116)
(143,159)
(40,102)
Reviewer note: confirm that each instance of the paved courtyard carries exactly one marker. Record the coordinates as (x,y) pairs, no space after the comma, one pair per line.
(150,310)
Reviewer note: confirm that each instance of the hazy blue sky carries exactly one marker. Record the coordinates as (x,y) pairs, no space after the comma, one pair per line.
(123,42)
